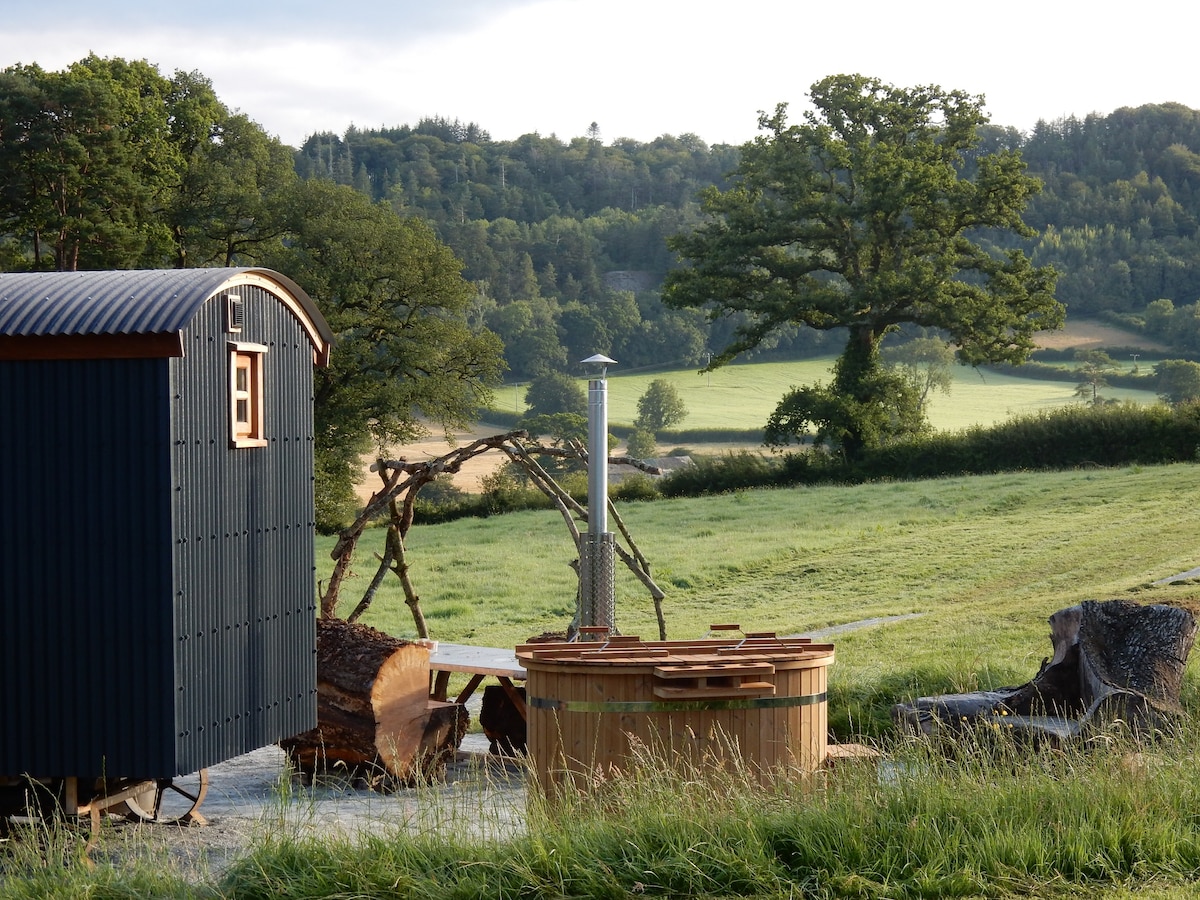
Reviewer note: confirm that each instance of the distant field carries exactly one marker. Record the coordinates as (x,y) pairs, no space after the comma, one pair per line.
(1088,333)
(743,396)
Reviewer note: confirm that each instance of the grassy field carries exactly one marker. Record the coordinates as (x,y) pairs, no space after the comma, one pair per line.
(983,561)
(743,396)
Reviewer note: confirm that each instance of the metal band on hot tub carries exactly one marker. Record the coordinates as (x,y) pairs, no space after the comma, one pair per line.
(649,706)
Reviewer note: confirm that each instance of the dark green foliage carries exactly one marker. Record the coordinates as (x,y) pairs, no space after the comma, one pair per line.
(1113,435)
(641,444)
(1178,380)
(554,392)
(1072,437)
(335,471)
(1095,367)
(714,475)
(95,161)
(396,300)
(634,488)
(660,407)
(508,490)
(866,406)
(1120,199)
(442,501)
(1117,216)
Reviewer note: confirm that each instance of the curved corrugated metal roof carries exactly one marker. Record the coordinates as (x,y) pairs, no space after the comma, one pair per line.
(134,301)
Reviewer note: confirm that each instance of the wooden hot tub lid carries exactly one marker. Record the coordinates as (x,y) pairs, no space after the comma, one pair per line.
(749,650)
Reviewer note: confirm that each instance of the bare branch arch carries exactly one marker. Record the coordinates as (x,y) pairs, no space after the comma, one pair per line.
(402,480)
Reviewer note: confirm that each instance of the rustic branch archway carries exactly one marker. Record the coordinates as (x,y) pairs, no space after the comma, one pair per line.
(402,480)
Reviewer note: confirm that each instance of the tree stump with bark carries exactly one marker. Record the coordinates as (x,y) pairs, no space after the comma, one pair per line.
(1112,660)
(375,719)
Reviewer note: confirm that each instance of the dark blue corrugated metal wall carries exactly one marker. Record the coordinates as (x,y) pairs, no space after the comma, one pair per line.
(245,591)
(157,595)
(84,542)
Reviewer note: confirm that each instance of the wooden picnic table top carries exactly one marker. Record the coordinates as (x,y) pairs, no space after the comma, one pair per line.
(496,661)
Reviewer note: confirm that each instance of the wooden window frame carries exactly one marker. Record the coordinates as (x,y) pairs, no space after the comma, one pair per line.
(246,396)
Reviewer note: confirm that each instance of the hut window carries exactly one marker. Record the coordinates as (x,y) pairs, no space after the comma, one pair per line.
(246,395)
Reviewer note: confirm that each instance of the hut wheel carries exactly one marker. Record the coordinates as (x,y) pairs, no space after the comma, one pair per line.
(173,802)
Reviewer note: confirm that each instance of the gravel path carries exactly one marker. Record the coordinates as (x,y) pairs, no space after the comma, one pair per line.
(251,797)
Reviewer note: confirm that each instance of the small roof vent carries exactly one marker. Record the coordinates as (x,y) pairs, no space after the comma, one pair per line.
(235,313)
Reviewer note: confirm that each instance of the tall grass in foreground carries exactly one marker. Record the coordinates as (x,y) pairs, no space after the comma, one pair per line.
(1107,820)
(996,820)
(995,823)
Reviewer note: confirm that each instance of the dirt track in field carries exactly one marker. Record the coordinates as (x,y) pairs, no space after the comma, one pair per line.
(1088,334)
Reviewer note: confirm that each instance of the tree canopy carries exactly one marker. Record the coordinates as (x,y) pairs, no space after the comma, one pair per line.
(660,406)
(555,392)
(1178,380)
(868,215)
(396,301)
(1095,366)
(109,165)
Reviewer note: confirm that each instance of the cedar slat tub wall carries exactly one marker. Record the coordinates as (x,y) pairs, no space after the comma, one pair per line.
(758,697)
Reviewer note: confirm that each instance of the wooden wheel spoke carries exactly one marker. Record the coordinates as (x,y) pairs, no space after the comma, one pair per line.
(194,795)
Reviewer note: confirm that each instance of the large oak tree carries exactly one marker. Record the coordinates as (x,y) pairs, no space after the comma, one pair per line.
(871,213)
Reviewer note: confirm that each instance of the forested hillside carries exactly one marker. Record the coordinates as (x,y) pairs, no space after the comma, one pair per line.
(109,164)
(566,238)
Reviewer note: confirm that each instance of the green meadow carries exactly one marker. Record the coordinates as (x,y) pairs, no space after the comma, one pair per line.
(980,561)
(743,396)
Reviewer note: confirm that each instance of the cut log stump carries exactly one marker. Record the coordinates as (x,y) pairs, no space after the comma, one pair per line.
(374,717)
(1113,660)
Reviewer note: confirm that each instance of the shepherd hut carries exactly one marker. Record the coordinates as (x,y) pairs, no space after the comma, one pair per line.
(157,610)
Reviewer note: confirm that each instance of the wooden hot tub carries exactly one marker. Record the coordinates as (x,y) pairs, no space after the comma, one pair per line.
(591,704)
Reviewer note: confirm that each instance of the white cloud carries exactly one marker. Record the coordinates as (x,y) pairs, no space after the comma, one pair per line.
(638,69)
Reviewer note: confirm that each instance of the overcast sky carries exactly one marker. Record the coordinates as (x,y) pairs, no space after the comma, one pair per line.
(638,68)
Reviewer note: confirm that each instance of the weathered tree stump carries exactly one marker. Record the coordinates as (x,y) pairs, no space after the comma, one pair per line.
(374,716)
(1112,660)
